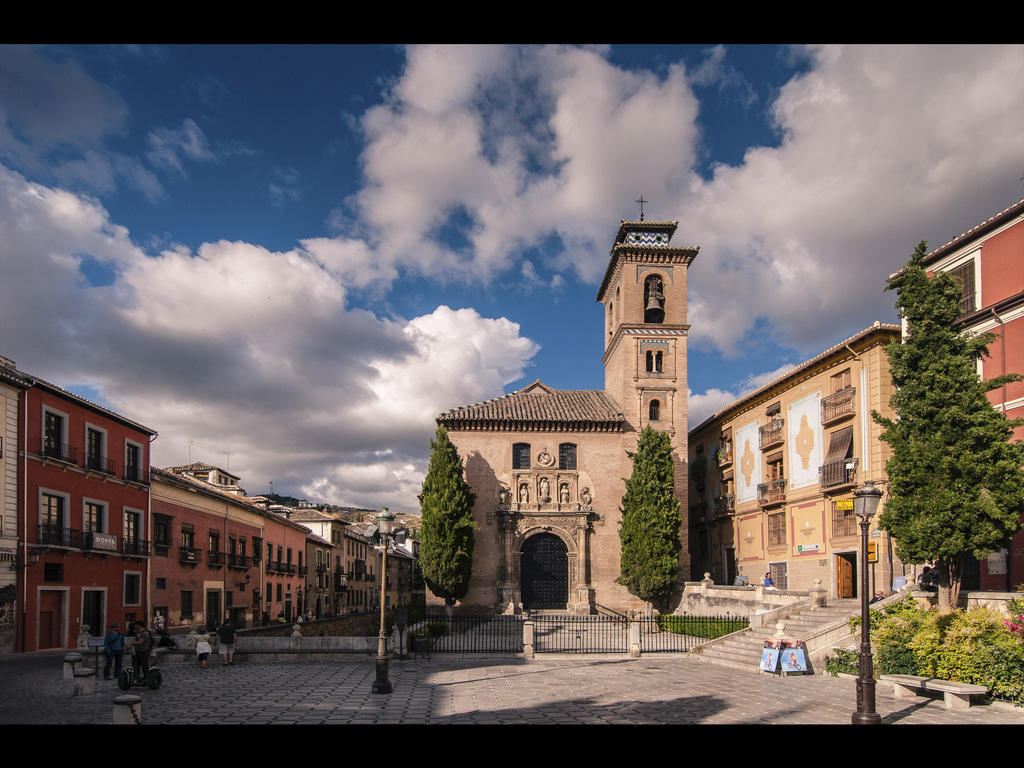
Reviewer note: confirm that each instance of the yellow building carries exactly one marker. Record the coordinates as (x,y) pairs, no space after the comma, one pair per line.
(772,475)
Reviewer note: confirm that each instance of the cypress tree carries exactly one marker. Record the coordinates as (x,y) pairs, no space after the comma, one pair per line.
(956,485)
(649,530)
(446,545)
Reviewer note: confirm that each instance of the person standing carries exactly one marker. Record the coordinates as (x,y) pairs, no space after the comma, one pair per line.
(228,637)
(142,646)
(113,648)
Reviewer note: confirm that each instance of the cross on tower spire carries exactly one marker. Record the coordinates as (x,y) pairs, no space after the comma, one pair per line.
(641,201)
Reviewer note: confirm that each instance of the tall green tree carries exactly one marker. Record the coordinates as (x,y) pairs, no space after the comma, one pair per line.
(446,544)
(956,485)
(649,530)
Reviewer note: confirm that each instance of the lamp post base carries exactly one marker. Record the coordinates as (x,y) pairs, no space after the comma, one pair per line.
(382,684)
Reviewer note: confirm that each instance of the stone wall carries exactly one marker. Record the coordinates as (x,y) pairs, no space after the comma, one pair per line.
(702,599)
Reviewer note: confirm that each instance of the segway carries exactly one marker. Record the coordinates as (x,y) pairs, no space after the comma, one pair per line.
(129,676)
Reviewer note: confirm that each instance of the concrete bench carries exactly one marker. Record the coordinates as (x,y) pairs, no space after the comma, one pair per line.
(955,695)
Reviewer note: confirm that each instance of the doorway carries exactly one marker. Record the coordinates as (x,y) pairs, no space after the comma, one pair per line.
(545,573)
(92,611)
(846,572)
(213,614)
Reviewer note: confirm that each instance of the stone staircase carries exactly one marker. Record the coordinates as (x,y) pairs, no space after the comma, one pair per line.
(742,650)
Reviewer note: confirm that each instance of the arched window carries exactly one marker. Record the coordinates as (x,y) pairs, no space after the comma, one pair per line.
(521,456)
(657,362)
(654,411)
(567,456)
(650,361)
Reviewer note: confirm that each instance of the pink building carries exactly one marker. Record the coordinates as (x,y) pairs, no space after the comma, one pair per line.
(988,260)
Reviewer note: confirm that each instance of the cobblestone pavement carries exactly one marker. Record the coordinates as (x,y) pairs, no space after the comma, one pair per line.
(577,690)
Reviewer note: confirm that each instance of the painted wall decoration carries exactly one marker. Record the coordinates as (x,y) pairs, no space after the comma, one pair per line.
(748,454)
(804,438)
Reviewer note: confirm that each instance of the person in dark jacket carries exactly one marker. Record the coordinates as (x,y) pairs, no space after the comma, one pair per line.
(113,648)
(228,637)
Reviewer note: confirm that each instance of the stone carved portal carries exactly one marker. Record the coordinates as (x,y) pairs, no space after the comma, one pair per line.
(544,572)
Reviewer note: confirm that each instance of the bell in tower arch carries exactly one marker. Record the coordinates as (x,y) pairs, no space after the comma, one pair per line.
(654,300)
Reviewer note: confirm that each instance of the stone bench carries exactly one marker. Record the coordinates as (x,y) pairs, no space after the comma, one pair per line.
(955,695)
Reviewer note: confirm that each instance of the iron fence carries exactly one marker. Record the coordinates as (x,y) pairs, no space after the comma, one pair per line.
(580,634)
(473,633)
(680,633)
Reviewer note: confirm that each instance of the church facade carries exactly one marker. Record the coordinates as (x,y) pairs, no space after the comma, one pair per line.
(548,466)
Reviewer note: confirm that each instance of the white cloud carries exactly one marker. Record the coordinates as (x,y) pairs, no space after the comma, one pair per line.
(703,405)
(882,147)
(170,147)
(241,349)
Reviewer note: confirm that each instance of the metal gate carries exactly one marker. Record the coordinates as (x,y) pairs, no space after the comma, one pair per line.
(477,633)
(563,633)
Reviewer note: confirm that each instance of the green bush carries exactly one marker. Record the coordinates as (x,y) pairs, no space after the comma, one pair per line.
(847,662)
(697,626)
(973,646)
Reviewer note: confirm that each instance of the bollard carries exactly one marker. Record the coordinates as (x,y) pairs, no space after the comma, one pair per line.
(71,663)
(634,639)
(128,710)
(527,639)
(85,682)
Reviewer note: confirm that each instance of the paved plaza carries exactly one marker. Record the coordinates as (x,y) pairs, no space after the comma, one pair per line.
(668,689)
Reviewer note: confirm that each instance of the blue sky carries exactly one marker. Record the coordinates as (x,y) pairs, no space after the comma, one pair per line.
(290,258)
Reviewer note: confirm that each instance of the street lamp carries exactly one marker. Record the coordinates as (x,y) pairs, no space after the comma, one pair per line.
(865,503)
(385,523)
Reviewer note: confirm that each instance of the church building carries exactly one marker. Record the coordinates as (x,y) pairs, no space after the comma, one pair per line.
(548,466)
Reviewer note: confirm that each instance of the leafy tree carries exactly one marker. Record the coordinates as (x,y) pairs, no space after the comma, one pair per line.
(956,485)
(649,530)
(446,546)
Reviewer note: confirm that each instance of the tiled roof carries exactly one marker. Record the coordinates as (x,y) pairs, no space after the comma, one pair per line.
(540,407)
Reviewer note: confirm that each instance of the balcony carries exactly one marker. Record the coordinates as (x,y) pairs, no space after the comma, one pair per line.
(55,451)
(100,464)
(134,547)
(136,475)
(189,555)
(287,568)
(772,492)
(772,434)
(837,474)
(216,559)
(240,562)
(724,505)
(96,541)
(59,536)
(724,455)
(303,570)
(838,405)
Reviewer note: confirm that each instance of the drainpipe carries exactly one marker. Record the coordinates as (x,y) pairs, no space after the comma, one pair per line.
(1002,341)
(23,571)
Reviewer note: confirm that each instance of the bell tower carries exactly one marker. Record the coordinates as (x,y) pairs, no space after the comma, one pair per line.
(644,298)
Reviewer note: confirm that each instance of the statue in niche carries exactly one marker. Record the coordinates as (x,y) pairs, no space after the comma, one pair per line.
(563,493)
(524,494)
(585,496)
(545,489)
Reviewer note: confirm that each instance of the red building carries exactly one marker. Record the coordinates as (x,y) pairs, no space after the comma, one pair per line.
(988,260)
(83,497)
(216,553)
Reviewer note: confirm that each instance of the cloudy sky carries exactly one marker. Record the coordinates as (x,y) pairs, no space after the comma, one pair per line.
(288,260)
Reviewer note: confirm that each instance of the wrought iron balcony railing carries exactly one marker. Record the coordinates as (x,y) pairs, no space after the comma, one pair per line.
(59,536)
(59,451)
(216,558)
(772,433)
(772,492)
(724,455)
(239,561)
(189,555)
(134,546)
(838,405)
(725,505)
(837,474)
(136,475)
(100,464)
